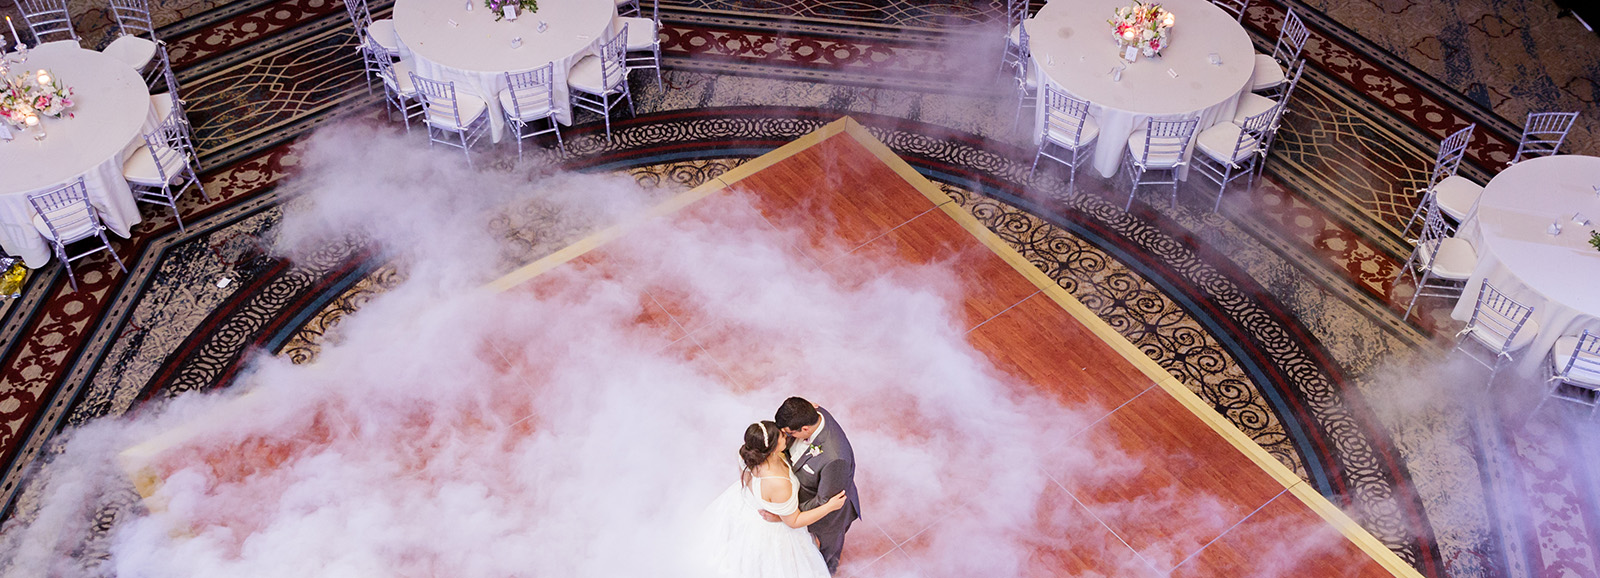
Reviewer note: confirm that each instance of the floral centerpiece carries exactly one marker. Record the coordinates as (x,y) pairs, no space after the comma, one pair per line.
(36,94)
(1143,26)
(499,6)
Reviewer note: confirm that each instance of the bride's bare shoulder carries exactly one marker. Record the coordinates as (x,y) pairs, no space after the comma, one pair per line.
(775,489)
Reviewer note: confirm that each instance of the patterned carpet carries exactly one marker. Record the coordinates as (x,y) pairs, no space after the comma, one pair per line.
(1281,311)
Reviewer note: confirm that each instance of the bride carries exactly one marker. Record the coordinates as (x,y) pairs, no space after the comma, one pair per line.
(740,543)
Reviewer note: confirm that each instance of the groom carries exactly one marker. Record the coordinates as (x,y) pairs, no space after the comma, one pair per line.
(824,463)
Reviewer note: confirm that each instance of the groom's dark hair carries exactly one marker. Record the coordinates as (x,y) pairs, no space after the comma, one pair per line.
(796,413)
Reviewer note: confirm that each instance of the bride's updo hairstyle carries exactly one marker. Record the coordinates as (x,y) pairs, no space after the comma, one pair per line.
(760,439)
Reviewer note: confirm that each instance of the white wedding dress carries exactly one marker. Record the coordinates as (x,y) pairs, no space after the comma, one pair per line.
(739,543)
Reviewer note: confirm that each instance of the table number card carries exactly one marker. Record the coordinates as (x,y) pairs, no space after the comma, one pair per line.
(1131,54)
(510,11)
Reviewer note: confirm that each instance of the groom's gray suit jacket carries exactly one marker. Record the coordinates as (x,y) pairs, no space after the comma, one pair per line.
(823,475)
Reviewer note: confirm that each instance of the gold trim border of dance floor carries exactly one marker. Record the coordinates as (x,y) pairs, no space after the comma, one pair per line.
(1307,495)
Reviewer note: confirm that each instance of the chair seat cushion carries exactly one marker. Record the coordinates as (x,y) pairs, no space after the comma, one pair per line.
(1091,130)
(587,76)
(1250,105)
(70,220)
(530,110)
(1495,341)
(1267,73)
(1456,196)
(1158,159)
(140,168)
(135,51)
(382,33)
(641,33)
(1219,142)
(470,107)
(1455,260)
(399,79)
(162,103)
(1562,353)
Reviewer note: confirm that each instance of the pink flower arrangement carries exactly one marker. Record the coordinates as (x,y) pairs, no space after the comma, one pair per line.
(1143,26)
(498,6)
(25,95)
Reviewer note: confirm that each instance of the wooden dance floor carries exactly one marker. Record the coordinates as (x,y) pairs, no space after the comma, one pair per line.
(1204,500)
(848,190)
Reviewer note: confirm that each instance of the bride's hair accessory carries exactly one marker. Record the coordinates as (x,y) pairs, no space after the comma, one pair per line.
(759,443)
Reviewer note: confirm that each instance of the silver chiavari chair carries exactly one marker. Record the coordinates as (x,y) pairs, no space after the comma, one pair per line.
(1234,8)
(627,7)
(162,169)
(644,42)
(1572,371)
(1252,104)
(599,82)
(529,97)
(1027,84)
(1451,151)
(448,112)
(1440,263)
(1500,326)
(1159,146)
(1012,55)
(64,216)
(398,92)
(1271,70)
(136,45)
(369,34)
(1543,134)
(164,95)
(1068,127)
(48,20)
(1229,151)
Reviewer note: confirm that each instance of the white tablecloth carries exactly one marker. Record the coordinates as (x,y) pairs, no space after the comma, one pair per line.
(1559,275)
(476,53)
(1073,49)
(111,114)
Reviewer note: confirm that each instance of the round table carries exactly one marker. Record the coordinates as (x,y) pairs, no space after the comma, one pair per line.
(1073,50)
(111,112)
(1558,275)
(476,51)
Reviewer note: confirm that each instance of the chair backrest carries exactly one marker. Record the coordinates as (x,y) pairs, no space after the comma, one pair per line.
(439,98)
(133,16)
(1234,8)
(170,146)
(1288,89)
(613,68)
(655,12)
(1291,38)
(1585,358)
(360,16)
(532,89)
(1451,149)
(382,60)
(1167,137)
(66,208)
(1064,115)
(1543,133)
(1016,12)
(1498,314)
(1253,132)
(47,17)
(1435,229)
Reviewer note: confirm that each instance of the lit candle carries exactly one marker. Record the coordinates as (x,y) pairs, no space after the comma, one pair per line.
(31,120)
(44,77)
